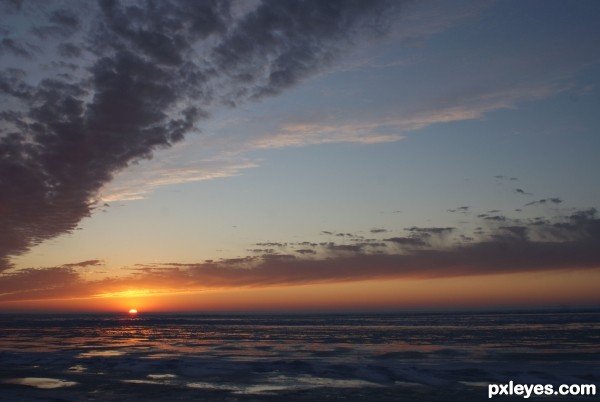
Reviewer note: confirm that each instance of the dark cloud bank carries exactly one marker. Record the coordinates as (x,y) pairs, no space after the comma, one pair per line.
(570,242)
(128,78)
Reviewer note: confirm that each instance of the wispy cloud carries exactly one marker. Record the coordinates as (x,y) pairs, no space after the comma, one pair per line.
(137,186)
(302,134)
(381,129)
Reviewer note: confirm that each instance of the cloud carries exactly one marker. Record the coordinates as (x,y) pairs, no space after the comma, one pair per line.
(521,191)
(395,125)
(297,38)
(302,134)
(502,177)
(183,60)
(150,74)
(497,218)
(37,280)
(463,209)
(545,201)
(567,242)
(141,181)
(430,230)
(145,74)
(10,46)
(407,241)
(83,264)
(562,243)
(69,50)
(63,24)
(306,251)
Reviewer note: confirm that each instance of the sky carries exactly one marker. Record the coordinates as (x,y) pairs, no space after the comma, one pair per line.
(297,155)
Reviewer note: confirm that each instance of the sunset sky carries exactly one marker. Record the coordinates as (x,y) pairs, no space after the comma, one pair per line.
(299,155)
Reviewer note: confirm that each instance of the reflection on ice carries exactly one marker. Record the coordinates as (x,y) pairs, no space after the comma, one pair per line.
(156,379)
(161,376)
(310,382)
(141,382)
(101,353)
(265,389)
(78,368)
(43,383)
(285,383)
(212,386)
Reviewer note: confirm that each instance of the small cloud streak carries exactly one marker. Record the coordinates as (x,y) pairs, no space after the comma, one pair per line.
(545,201)
(296,134)
(139,186)
(83,264)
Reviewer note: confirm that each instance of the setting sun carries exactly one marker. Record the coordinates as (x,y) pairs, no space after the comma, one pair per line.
(307,200)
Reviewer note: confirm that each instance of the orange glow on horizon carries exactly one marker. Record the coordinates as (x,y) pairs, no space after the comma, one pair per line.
(538,289)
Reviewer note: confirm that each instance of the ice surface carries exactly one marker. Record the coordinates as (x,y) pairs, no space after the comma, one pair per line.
(385,358)
(39,382)
(95,353)
(277,383)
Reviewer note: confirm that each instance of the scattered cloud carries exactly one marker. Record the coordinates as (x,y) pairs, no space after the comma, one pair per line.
(545,201)
(272,244)
(521,191)
(10,46)
(508,178)
(407,241)
(463,209)
(562,243)
(497,218)
(306,251)
(430,230)
(398,124)
(83,264)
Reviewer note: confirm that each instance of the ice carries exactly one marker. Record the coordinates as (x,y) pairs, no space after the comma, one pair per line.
(78,368)
(161,376)
(293,358)
(101,353)
(40,382)
(277,383)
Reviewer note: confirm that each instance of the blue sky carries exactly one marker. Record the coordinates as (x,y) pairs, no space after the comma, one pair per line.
(436,115)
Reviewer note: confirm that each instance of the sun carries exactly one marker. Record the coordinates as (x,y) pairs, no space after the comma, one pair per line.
(133,311)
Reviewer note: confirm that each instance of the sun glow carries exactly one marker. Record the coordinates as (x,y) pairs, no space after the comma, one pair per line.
(127,293)
(133,311)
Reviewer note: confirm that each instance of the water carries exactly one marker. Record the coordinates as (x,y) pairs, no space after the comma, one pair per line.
(386,357)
